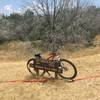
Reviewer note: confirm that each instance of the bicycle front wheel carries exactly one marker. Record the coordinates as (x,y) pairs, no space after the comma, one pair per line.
(69,69)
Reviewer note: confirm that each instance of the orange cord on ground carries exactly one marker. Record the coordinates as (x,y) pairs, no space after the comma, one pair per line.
(43,80)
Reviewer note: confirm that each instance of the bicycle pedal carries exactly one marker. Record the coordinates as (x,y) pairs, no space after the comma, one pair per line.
(31,65)
(65,69)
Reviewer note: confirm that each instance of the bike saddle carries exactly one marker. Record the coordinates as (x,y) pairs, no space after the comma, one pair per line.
(38,55)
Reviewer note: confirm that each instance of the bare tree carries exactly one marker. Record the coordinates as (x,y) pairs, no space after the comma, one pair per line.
(58,15)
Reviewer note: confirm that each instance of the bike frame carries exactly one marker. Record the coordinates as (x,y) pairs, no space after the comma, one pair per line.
(53,56)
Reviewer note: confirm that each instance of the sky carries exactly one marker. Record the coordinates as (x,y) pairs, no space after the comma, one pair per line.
(10,6)
(97,3)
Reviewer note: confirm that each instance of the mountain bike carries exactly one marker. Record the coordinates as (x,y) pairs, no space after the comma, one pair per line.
(61,67)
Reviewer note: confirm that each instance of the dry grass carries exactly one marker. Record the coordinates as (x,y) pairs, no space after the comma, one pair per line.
(17,50)
(86,60)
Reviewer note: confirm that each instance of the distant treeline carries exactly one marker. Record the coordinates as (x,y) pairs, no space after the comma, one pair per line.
(32,27)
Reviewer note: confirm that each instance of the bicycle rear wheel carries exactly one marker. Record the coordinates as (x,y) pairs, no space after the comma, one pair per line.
(69,69)
(31,66)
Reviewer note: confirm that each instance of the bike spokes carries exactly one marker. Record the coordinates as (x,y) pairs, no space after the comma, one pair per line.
(69,70)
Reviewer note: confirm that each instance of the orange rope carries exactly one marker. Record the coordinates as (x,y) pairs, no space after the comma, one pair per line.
(25,81)
(87,78)
(46,79)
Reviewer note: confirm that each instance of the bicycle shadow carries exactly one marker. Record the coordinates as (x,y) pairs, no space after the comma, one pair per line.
(34,76)
(30,77)
(48,81)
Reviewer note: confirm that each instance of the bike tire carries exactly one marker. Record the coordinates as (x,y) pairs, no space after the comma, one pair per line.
(31,69)
(74,69)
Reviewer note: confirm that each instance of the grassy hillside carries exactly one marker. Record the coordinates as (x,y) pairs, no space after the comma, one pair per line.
(13,58)
(18,50)
(87,62)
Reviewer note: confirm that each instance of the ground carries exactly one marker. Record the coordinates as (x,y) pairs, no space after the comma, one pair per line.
(87,63)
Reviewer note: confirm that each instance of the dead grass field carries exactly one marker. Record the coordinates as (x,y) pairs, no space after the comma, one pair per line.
(87,62)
